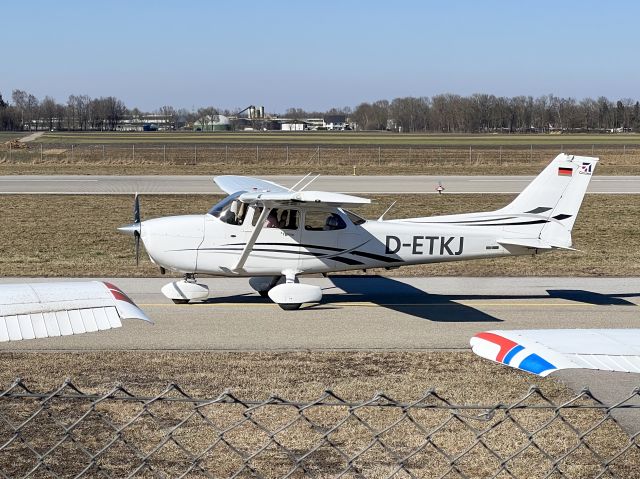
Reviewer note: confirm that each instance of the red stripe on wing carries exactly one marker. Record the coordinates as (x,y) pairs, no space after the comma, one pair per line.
(117,293)
(505,344)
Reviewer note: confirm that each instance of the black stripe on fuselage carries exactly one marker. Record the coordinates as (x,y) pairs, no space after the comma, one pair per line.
(539,209)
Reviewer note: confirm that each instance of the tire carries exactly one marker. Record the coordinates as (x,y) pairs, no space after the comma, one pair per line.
(264,294)
(290,306)
(180,301)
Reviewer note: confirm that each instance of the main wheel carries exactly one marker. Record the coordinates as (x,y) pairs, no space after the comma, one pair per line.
(264,294)
(180,301)
(290,306)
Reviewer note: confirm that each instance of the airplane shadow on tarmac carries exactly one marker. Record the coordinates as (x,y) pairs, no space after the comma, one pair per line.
(405,298)
(402,297)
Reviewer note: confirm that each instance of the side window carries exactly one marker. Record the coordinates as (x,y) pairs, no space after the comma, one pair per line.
(256,214)
(281,219)
(323,221)
(288,220)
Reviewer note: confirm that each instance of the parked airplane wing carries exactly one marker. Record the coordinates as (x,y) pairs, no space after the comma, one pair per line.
(317,198)
(544,351)
(232,184)
(41,310)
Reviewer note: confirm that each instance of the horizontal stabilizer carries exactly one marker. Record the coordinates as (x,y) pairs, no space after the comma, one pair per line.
(544,351)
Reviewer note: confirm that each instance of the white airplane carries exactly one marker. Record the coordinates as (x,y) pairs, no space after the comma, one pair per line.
(276,234)
(43,310)
(544,351)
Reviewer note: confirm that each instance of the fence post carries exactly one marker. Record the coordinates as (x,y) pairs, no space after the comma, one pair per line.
(500,156)
(318,154)
(531,153)
(195,154)
(287,153)
(72,152)
(40,151)
(469,153)
(226,153)
(378,156)
(102,152)
(10,152)
(133,151)
(257,153)
(164,153)
(591,149)
(624,149)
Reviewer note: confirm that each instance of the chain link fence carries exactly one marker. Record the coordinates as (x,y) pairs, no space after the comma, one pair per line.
(71,433)
(531,158)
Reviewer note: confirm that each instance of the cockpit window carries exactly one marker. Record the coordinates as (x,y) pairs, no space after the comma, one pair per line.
(230,210)
(322,221)
(354,218)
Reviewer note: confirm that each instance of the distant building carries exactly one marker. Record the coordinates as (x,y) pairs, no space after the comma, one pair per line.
(293,125)
(335,122)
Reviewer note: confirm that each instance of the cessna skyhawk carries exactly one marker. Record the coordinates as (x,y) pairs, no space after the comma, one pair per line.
(275,235)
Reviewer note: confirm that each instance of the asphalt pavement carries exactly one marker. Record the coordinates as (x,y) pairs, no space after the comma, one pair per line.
(77,184)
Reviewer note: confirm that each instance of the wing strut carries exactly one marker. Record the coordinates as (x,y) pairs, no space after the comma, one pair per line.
(252,239)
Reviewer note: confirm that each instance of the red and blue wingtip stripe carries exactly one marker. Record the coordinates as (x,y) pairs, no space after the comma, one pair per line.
(532,363)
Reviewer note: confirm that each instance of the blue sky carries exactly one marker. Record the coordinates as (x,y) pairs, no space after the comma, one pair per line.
(316,55)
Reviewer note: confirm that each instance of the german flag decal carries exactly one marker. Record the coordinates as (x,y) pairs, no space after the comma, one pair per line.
(562,171)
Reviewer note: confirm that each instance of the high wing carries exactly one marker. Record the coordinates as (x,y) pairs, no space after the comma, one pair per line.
(42,310)
(310,198)
(271,195)
(544,351)
(232,184)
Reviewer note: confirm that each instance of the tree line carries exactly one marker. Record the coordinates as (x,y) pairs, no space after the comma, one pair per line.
(447,113)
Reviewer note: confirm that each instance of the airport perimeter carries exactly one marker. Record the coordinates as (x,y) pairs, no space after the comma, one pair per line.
(68,432)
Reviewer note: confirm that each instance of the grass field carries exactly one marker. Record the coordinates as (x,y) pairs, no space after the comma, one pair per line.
(461,378)
(261,158)
(76,235)
(335,138)
(10,135)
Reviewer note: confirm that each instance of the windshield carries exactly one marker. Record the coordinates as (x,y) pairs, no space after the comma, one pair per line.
(220,207)
(355,219)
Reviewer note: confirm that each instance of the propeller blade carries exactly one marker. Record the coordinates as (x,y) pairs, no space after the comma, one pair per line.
(136,209)
(136,237)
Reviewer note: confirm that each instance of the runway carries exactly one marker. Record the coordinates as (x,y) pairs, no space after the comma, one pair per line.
(71,184)
(361,313)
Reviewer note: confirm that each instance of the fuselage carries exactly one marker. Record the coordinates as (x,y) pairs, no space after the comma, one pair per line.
(319,240)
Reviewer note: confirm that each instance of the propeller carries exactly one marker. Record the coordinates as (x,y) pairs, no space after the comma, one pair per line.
(135,227)
(136,221)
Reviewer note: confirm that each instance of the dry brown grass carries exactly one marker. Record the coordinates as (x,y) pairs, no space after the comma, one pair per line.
(300,159)
(60,235)
(460,378)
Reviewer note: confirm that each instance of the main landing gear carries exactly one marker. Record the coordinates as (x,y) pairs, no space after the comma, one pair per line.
(181,292)
(286,291)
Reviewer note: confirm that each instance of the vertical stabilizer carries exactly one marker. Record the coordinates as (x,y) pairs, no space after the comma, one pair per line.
(557,192)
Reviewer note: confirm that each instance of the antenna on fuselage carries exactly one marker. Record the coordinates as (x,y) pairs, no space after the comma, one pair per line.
(293,188)
(386,211)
